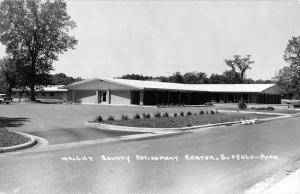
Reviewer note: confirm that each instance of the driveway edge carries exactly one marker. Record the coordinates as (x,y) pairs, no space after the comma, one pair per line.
(32,141)
(107,127)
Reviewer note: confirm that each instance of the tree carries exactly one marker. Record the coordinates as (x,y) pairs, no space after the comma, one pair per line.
(37,32)
(8,75)
(239,66)
(176,78)
(292,53)
(288,79)
(63,79)
(195,78)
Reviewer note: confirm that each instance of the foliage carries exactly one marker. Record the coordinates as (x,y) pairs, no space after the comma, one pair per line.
(201,112)
(181,114)
(37,32)
(270,108)
(239,66)
(136,77)
(136,116)
(212,112)
(195,78)
(146,116)
(175,114)
(166,114)
(157,115)
(189,113)
(63,79)
(99,119)
(124,117)
(111,118)
(242,104)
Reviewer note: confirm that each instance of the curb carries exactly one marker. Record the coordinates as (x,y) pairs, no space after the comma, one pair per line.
(107,127)
(32,141)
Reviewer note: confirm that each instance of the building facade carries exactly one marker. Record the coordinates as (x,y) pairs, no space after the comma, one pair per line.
(123,91)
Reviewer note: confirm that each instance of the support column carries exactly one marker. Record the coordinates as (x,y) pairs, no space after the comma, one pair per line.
(141,97)
(73,96)
(109,96)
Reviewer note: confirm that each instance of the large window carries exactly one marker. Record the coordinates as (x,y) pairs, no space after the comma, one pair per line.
(104,96)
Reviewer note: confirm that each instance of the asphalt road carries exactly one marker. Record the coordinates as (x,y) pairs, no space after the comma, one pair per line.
(46,172)
(59,123)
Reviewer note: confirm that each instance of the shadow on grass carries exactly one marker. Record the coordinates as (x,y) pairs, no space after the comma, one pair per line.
(12,122)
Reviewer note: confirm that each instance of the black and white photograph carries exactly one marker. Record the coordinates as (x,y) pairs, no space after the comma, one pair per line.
(149,97)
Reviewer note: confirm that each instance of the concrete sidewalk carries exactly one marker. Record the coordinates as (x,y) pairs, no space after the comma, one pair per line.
(288,185)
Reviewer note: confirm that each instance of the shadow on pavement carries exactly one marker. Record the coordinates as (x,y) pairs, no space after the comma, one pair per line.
(12,122)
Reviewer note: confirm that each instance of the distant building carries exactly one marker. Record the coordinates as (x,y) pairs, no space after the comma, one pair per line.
(124,91)
(43,92)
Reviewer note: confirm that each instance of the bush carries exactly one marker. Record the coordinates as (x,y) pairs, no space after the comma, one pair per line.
(124,117)
(175,114)
(201,112)
(189,113)
(146,116)
(206,112)
(99,119)
(188,125)
(172,104)
(181,114)
(212,112)
(111,118)
(157,115)
(183,104)
(166,114)
(242,104)
(136,116)
(270,108)
(208,104)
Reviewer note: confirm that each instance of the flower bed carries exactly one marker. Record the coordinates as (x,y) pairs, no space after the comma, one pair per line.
(8,138)
(184,121)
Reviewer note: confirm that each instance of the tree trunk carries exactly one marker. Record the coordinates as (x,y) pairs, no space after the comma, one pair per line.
(32,92)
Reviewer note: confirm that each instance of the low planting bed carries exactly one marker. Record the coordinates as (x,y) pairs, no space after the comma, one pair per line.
(9,138)
(184,121)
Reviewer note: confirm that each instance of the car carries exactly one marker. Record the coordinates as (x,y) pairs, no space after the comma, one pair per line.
(5,99)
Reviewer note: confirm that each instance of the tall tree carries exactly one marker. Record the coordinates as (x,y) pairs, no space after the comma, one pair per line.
(176,78)
(239,66)
(36,31)
(195,78)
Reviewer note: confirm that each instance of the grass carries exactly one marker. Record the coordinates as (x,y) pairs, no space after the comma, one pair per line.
(8,138)
(192,120)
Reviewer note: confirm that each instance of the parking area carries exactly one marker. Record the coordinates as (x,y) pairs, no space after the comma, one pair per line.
(62,123)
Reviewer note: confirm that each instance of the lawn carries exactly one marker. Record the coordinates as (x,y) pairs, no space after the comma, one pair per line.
(8,138)
(183,121)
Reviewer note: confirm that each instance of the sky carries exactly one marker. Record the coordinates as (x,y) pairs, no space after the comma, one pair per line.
(162,37)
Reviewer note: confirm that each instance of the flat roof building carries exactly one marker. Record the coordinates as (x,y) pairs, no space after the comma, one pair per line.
(124,91)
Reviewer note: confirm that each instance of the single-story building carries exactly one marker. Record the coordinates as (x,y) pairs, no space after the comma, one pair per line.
(43,92)
(124,91)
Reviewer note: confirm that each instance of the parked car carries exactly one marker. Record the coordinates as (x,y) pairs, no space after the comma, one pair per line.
(5,99)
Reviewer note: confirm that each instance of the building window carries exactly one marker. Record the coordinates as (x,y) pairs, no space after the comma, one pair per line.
(43,94)
(104,96)
(51,93)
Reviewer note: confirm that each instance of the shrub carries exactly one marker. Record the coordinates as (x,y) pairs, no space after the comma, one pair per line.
(212,112)
(208,104)
(175,114)
(157,115)
(206,112)
(181,114)
(166,114)
(188,125)
(146,116)
(124,117)
(172,104)
(111,118)
(136,116)
(201,112)
(242,104)
(270,108)
(189,113)
(183,104)
(99,119)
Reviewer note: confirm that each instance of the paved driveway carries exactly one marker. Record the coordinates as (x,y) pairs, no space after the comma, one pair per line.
(60,123)
(45,172)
